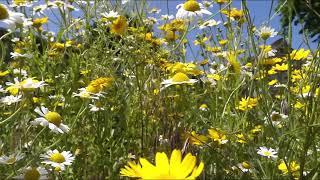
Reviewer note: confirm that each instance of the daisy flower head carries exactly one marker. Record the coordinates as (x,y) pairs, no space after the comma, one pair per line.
(9,19)
(119,25)
(8,100)
(209,23)
(27,85)
(51,119)
(265,32)
(33,173)
(167,17)
(191,9)
(175,168)
(203,107)
(110,15)
(85,93)
(16,55)
(269,153)
(245,167)
(11,159)
(57,159)
(21,3)
(96,107)
(2,90)
(178,78)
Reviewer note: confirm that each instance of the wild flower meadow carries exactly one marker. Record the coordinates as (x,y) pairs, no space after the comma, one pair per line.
(114,93)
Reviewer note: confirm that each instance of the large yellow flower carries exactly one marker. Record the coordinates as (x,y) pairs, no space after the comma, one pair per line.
(99,84)
(165,168)
(119,26)
(247,103)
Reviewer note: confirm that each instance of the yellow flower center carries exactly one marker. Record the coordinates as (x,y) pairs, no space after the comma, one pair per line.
(54,118)
(265,35)
(180,77)
(246,165)
(191,5)
(19,2)
(267,153)
(4,14)
(32,174)
(57,157)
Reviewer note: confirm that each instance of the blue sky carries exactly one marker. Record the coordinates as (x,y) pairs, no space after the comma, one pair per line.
(259,11)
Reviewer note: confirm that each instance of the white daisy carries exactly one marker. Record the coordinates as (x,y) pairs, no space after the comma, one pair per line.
(265,32)
(51,119)
(123,2)
(269,153)
(154,11)
(16,55)
(9,19)
(191,9)
(8,100)
(209,23)
(58,160)
(20,72)
(203,107)
(110,15)
(11,159)
(21,4)
(39,10)
(28,84)
(29,172)
(178,78)
(276,119)
(150,21)
(83,93)
(95,108)
(166,17)
(245,167)
(2,90)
